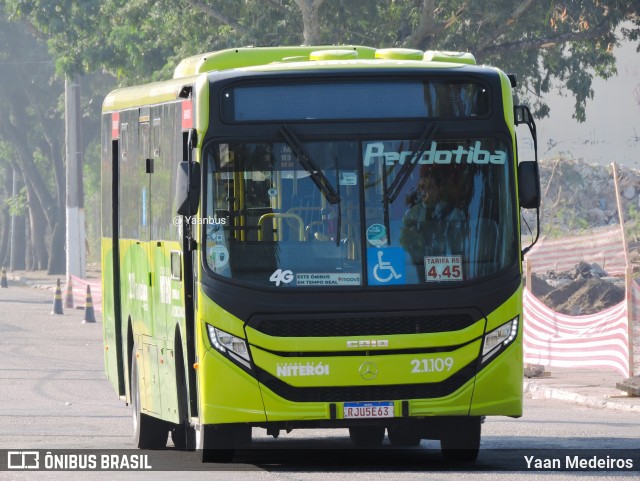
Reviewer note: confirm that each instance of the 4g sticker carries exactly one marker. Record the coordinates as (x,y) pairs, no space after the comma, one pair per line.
(281,276)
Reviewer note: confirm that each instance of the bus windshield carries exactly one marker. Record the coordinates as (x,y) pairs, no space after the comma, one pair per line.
(269,223)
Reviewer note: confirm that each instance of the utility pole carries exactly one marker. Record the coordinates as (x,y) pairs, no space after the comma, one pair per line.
(628,273)
(12,241)
(76,235)
(18,239)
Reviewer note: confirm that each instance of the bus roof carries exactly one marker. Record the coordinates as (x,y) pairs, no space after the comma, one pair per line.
(261,56)
(148,94)
(284,59)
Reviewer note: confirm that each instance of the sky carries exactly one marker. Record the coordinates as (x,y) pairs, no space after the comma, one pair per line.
(612,129)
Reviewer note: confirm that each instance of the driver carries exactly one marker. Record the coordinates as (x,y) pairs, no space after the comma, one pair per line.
(432,203)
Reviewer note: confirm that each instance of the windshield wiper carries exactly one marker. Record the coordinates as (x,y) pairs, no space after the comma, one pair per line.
(317,176)
(405,171)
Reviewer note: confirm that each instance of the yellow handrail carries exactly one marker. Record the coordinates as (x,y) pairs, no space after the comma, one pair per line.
(275,215)
(308,228)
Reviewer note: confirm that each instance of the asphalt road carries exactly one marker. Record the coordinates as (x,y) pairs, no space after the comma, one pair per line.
(54,395)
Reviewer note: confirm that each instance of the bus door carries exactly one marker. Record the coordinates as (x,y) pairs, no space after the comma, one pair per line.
(159,248)
(152,329)
(111,307)
(166,288)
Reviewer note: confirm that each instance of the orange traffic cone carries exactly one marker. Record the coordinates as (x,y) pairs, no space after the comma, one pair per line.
(88,307)
(57,300)
(68,298)
(3,279)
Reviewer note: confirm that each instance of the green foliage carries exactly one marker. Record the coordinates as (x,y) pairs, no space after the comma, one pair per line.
(566,219)
(18,203)
(549,45)
(92,200)
(632,223)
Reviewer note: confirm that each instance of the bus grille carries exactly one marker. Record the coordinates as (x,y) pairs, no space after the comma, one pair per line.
(336,326)
(367,393)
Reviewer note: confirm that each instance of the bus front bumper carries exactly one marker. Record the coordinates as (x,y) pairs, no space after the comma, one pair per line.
(236,397)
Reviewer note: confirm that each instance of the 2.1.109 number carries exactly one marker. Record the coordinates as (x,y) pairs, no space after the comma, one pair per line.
(437,364)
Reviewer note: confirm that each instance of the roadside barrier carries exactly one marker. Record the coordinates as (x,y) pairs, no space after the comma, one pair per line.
(68,298)
(79,289)
(602,245)
(610,338)
(592,341)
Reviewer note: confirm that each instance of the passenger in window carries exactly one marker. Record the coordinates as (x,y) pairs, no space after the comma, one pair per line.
(432,204)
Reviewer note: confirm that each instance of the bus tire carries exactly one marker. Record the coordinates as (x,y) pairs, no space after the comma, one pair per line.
(366,436)
(403,436)
(217,443)
(461,443)
(148,432)
(183,435)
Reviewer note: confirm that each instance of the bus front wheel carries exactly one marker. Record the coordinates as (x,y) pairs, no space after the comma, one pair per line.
(148,432)
(183,435)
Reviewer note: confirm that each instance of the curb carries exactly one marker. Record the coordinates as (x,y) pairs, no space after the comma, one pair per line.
(568,396)
(32,284)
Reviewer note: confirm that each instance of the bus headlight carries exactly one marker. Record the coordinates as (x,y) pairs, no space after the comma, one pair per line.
(500,337)
(229,344)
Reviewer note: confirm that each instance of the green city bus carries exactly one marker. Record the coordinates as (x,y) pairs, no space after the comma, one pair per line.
(315,237)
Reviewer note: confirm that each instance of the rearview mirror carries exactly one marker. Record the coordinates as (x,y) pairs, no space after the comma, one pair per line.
(187,195)
(522,115)
(529,185)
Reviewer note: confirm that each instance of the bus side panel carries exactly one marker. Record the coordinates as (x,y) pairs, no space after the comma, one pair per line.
(166,286)
(111,362)
(133,245)
(152,297)
(164,326)
(168,310)
(137,305)
(226,393)
(134,279)
(111,321)
(498,389)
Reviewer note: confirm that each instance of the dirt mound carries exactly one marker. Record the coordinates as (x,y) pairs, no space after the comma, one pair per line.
(585,289)
(539,287)
(584,296)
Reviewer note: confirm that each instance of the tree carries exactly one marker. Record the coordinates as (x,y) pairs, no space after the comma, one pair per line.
(549,45)
(12,207)
(555,44)
(311,19)
(30,126)
(565,43)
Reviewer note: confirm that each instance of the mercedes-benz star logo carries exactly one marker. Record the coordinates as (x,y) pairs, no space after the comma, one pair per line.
(368,371)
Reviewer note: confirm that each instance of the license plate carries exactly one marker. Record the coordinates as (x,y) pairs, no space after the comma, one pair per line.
(364,410)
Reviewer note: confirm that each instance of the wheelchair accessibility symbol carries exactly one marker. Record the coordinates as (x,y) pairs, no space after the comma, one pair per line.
(386,266)
(384,271)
